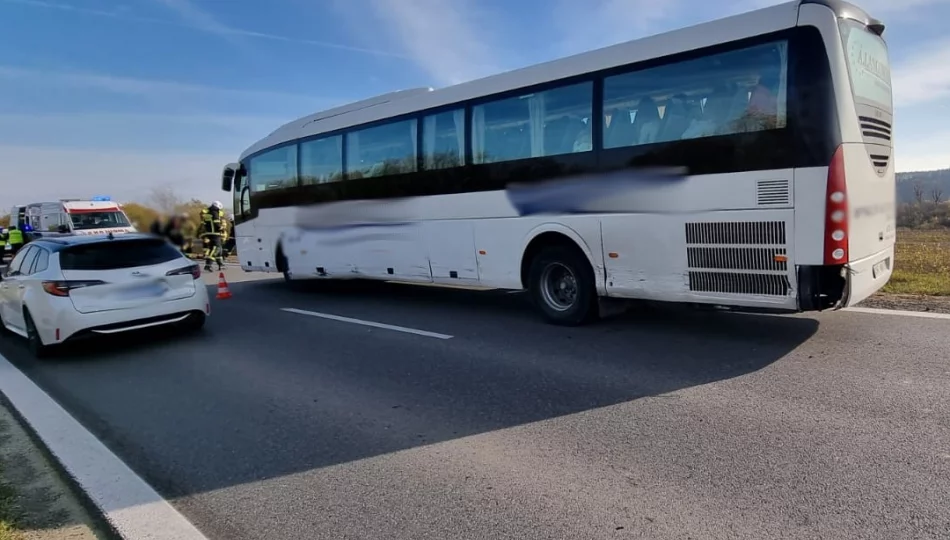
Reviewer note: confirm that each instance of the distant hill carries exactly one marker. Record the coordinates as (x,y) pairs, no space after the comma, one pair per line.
(928,180)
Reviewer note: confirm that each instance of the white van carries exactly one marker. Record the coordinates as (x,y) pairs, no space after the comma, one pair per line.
(71,216)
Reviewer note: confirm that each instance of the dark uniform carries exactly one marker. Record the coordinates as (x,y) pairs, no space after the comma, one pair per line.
(173,232)
(211,231)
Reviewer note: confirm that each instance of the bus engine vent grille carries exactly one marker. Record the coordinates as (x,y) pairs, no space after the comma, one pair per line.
(875,129)
(738,258)
(772,193)
(758,284)
(755,233)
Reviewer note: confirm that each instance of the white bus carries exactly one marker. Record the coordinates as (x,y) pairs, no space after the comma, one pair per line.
(780,117)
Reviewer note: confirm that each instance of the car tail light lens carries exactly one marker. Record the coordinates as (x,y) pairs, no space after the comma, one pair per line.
(836,212)
(62,288)
(192,269)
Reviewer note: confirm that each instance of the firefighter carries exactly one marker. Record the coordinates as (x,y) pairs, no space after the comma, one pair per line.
(211,231)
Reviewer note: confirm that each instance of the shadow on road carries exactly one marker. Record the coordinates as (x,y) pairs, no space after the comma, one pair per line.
(263,394)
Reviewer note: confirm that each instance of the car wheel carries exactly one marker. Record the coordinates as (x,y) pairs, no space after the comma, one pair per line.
(194,323)
(4,331)
(561,284)
(34,342)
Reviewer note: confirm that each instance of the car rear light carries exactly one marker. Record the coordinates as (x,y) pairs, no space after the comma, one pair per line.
(62,288)
(192,269)
(836,212)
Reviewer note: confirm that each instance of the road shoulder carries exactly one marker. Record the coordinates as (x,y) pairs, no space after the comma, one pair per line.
(36,502)
(909,302)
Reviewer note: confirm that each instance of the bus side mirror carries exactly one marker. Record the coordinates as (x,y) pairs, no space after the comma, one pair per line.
(227,178)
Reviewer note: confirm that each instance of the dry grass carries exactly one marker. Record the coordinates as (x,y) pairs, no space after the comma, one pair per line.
(8,514)
(921,263)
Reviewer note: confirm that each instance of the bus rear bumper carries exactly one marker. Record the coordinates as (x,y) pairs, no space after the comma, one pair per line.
(866,276)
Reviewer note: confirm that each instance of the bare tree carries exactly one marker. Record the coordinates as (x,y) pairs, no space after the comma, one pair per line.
(164,199)
(918,192)
(936,195)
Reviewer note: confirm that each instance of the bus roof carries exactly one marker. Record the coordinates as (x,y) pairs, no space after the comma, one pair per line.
(749,24)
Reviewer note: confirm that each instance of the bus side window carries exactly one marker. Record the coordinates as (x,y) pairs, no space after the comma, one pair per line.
(722,94)
(541,124)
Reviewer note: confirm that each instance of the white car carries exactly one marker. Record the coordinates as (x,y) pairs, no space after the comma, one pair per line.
(66,288)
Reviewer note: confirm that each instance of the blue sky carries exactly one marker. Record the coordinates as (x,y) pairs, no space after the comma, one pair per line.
(116,96)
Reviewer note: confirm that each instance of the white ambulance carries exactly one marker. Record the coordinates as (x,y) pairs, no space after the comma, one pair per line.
(99,215)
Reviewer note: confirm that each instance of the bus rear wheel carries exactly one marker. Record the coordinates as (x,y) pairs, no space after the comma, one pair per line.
(561,284)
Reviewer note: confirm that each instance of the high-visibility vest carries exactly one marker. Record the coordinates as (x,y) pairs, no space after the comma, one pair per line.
(16,236)
(209,224)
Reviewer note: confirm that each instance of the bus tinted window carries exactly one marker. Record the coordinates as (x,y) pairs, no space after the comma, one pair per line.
(275,169)
(443,140)
(722,94)
(542,124)
(321,160)
(382,150)
(868,64)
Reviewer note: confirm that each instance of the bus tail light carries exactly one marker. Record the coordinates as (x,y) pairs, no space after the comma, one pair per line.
(836,212)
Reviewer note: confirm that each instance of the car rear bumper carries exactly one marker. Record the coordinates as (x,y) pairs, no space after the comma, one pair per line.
(69,324)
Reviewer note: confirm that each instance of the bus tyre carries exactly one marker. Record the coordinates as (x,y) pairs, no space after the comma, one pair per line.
(561,284)
(283,265)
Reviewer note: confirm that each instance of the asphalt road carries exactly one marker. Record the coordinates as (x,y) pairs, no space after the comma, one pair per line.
(663,423)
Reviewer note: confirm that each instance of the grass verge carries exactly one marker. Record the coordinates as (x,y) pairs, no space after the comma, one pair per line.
(36,503)
(8,518)
(921,263)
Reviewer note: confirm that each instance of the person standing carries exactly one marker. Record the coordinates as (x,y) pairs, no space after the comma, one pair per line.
(15,239)
(211,232)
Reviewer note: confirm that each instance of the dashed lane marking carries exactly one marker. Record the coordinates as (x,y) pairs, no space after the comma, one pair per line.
(368,323)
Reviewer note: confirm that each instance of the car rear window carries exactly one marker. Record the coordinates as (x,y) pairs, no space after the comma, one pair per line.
(116,254)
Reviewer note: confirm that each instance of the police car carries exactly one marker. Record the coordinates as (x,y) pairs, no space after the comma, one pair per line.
(61,289)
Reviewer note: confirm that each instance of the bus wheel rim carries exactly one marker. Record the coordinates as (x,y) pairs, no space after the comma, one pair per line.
(558,287)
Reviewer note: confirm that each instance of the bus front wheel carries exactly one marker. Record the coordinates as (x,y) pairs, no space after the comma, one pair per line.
(561,284)
(280,260)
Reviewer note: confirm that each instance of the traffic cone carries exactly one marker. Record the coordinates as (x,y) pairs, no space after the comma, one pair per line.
(223,291)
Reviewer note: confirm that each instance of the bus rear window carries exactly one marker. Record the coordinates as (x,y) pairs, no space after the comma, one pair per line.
(868,64)
(117,254)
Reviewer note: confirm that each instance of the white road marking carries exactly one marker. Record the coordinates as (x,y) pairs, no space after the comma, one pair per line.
(899,313)
(368,323)
(129,504)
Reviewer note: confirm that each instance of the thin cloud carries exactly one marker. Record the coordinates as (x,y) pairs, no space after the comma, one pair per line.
(876,8)
(142,87)
(924,77)
(607,22)
(219,29)
(51,173)
(446,38)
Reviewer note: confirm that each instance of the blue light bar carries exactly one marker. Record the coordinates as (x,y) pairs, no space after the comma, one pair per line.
(102,198)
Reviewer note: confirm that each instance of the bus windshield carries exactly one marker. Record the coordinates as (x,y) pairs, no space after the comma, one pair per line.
(98,220)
